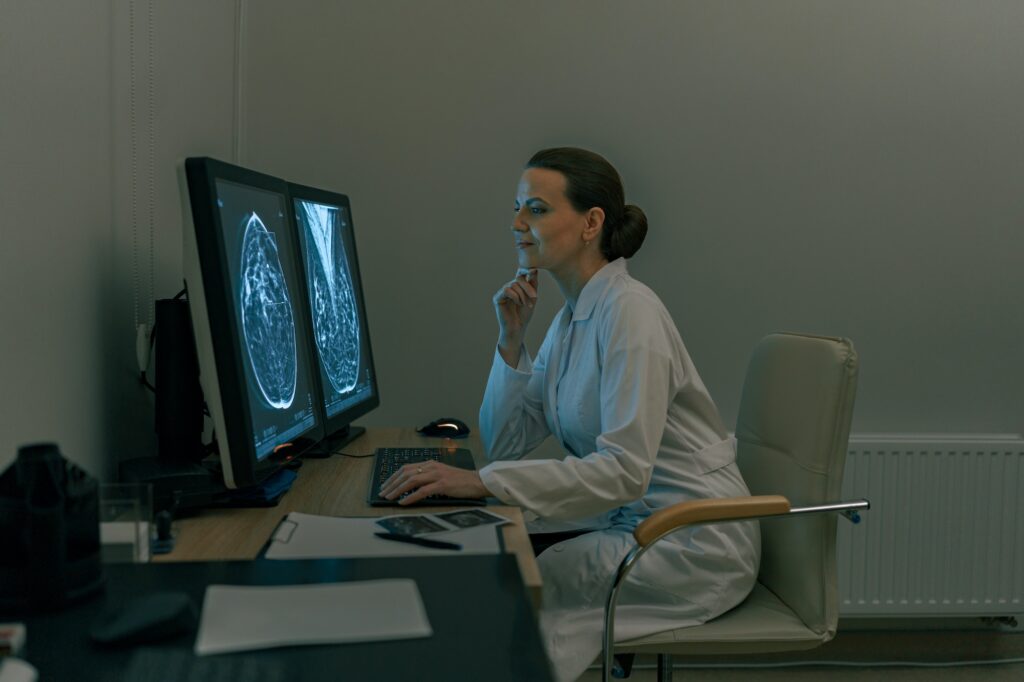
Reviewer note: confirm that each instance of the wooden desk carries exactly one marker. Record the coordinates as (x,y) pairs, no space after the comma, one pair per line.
(332,487)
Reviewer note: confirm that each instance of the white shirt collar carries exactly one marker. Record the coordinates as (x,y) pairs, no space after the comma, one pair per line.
(594,289)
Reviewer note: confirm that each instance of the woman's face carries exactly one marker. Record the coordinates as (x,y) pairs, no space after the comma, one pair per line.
(547,228)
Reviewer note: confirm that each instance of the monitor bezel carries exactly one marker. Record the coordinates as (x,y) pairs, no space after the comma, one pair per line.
(213,318)
(338,425)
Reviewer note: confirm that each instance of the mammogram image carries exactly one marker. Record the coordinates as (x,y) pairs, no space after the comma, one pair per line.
(268,323)
(467,518)
(332,297)
(410,525)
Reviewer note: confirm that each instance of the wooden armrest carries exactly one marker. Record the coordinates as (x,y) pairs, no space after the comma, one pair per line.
(701,511)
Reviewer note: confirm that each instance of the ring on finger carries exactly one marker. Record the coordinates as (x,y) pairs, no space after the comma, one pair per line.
(419,470)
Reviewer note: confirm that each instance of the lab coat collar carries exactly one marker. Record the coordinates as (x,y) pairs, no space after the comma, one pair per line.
(594,289)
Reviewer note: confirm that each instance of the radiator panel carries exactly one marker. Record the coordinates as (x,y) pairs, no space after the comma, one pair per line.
(945,533)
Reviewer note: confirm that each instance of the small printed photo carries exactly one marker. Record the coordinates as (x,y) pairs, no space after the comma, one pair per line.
(471,517)
(410,525)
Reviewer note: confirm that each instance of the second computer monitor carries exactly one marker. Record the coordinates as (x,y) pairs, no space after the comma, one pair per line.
(334,289)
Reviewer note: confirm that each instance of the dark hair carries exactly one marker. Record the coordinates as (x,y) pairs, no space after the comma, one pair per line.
(590,181)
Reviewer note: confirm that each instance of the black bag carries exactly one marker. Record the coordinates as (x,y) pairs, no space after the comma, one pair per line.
(49,532)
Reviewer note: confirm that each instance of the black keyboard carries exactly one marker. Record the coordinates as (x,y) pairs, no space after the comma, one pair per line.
(389,460)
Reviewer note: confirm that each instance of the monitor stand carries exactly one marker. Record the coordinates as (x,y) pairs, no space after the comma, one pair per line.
(180,486)
(334,442)
(177,485)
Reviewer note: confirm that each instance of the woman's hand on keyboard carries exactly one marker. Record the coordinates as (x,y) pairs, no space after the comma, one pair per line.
(423,479)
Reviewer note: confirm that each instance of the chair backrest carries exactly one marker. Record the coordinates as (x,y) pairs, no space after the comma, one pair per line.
(792,433)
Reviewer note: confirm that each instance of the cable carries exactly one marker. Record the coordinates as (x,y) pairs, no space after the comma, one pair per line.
(345,454)
(143,322)
(134,163)
(238,113)
(150,76)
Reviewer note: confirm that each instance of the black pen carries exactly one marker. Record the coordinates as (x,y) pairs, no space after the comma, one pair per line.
(413,540)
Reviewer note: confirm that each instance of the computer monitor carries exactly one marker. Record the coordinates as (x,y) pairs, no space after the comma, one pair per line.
(253,339)
(334,293)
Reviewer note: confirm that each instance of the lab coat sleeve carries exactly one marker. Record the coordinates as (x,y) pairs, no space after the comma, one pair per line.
(512,419)
(637,378)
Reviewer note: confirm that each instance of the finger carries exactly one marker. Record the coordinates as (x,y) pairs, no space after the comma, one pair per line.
(523,294)
(514,295)
(527,275)
(502,292)
(395,479)
(390,485)
(527,289)
(391,481)
(423,492)
(527,272)
(405,486)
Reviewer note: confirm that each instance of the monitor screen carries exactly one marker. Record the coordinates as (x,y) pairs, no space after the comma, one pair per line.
(250,319)
(335,302)
(265,282)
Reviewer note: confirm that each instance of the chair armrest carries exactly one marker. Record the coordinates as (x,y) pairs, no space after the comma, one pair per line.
(702,511)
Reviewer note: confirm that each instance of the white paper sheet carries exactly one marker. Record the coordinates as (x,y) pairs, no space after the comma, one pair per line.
(241,618)
(309,536)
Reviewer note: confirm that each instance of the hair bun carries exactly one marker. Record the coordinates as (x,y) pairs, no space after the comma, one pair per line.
(629,236)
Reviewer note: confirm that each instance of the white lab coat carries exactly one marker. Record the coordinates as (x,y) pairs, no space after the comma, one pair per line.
(614,384)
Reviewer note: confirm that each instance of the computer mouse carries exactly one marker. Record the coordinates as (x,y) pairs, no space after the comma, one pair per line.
(146,618)
(445,427)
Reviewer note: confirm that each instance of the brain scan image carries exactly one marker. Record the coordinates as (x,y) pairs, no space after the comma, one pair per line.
(332,298)
(268,324)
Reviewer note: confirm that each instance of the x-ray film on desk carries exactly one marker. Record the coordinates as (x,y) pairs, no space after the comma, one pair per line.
(310,536)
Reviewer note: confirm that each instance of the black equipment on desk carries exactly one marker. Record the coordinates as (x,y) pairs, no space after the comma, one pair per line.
(179,398)
(49,525)
(389,460)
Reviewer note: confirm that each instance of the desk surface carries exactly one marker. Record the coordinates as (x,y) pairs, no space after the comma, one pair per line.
(335,486)
(486,631)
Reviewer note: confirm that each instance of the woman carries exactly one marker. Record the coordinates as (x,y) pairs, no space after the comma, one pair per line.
(614,384)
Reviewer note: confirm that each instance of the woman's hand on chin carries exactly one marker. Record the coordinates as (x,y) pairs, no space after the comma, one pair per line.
(514,305)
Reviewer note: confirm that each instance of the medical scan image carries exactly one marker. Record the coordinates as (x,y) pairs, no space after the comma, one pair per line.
(332,297)
(268,322)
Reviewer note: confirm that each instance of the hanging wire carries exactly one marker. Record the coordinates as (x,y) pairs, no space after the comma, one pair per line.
(133,167)
(149,292)
(151,69)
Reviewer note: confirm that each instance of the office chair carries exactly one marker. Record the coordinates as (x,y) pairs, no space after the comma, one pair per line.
(792,433)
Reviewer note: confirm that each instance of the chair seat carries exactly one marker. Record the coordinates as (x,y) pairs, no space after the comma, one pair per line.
(761,624)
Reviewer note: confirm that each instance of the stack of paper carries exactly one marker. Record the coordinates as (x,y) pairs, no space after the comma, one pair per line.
(239,618)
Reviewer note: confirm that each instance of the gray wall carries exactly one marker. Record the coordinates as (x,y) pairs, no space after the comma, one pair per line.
(67,343)
(56,189)
(833,167)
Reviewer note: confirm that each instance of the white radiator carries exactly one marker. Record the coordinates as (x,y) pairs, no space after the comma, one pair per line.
(945,532)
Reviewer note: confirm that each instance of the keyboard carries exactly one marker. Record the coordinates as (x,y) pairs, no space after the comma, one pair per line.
(387,461)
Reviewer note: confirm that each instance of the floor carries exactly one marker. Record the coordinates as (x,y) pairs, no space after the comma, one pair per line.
(867,643)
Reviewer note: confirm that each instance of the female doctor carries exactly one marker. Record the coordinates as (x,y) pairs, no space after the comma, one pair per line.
(614,384)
